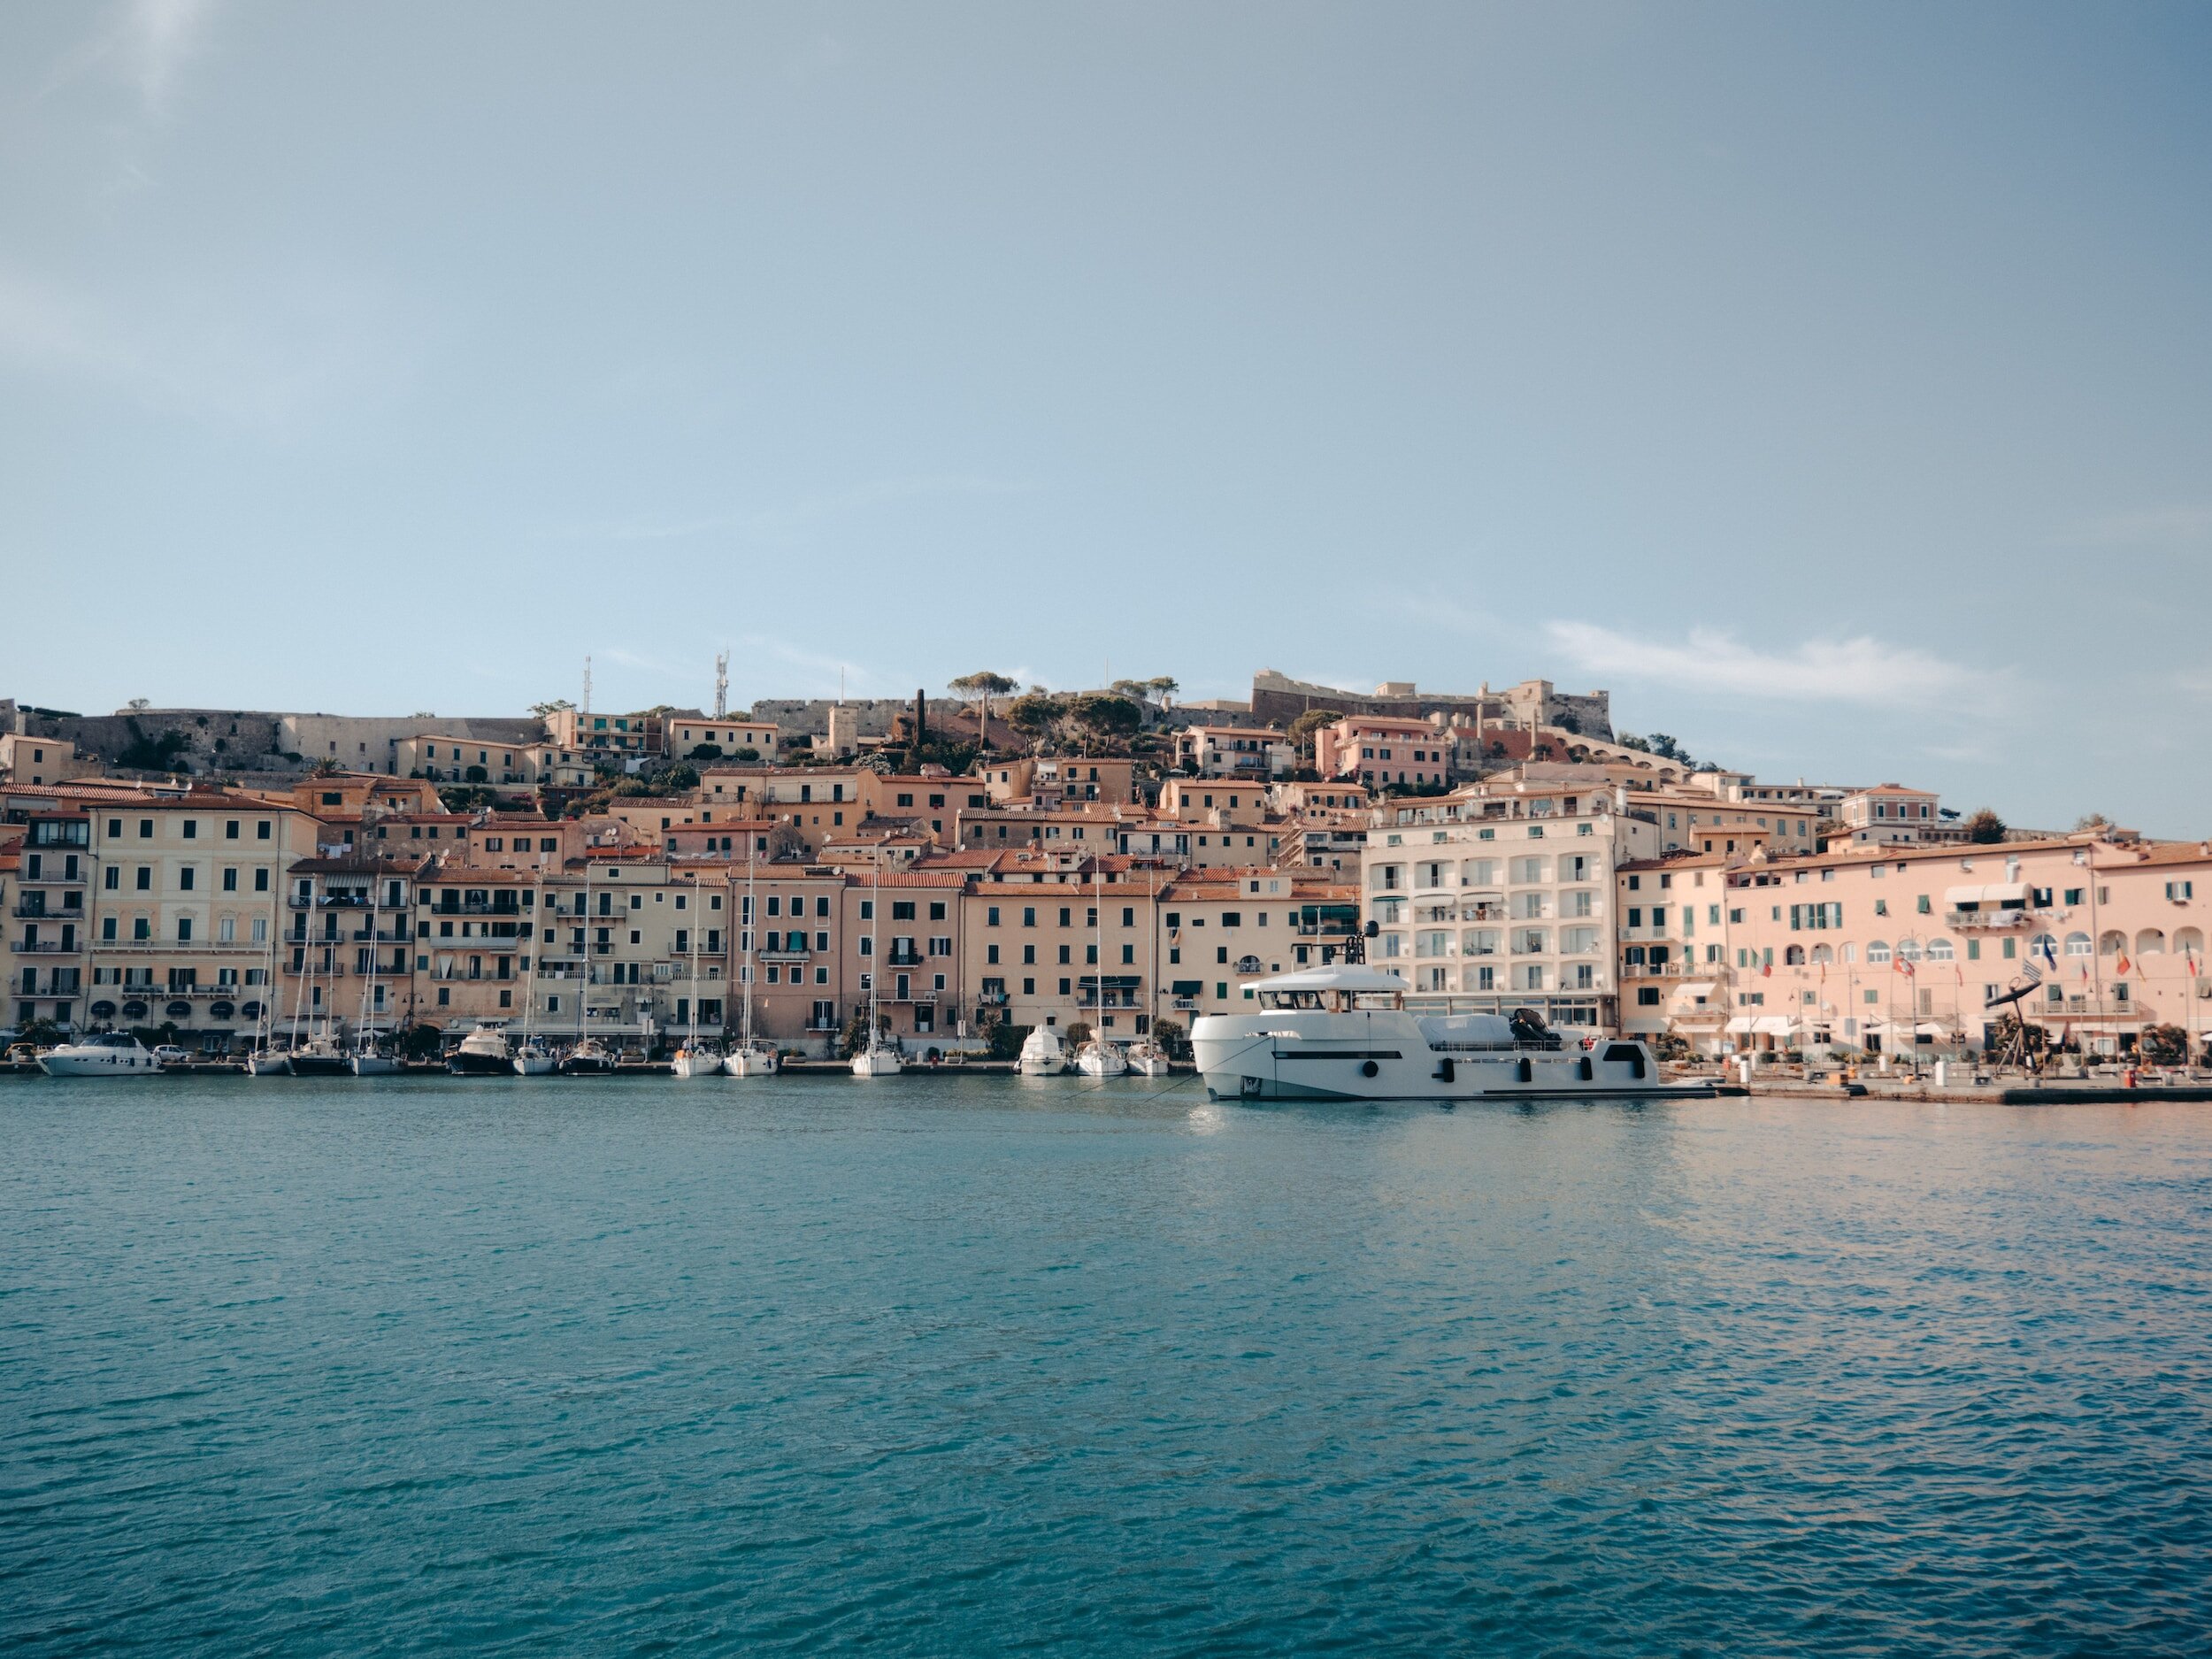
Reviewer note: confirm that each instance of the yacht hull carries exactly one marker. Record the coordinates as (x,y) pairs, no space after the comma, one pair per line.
(321,1065)
(125,1064)
(480,1065)
(750,1064)
(374,1065)
(268,1065)
(1386,1055)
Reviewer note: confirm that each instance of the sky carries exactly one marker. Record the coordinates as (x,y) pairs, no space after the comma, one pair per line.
(1832,385)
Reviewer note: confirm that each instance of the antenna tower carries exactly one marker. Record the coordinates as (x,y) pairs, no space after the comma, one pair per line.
(587,708)
(722,686)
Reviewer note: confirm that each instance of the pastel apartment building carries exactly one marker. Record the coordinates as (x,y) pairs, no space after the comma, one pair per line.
(1905,947)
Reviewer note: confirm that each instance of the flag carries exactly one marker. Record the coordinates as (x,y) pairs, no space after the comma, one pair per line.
(1767,970)
(1906,969)
(2123,967)
(2189,957)
(2049,954)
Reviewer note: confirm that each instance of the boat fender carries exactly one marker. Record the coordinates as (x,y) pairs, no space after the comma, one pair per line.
(1447,1070)
(1588,1068)
(1528,1070)
(1368,1068)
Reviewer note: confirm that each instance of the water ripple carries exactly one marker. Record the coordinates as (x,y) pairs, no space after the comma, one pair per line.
(964,1366)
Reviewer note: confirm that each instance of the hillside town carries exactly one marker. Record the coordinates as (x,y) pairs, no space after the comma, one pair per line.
(961,870)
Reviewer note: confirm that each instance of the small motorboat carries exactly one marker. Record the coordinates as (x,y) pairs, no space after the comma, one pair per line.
(483,1052)
(588,1058)
(757,1058)
(1043,1053)
(110,1053)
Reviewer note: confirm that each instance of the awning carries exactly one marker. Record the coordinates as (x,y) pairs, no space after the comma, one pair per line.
(1763,1024)
(1188,987)
(1991,894)
(1703,988)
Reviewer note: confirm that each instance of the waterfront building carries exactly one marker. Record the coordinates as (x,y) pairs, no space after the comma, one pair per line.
(1905,947)
(188,901)
(1500,897)
(627,741)
(345,961)
(1220,930)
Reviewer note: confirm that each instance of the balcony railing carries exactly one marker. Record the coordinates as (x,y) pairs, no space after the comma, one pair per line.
(48,948)
(38,913)
(54,880)
(1988,919)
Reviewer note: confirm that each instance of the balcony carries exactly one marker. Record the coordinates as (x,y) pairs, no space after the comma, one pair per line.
(903,959)
(1988,920)
(48,948)
(486,907)
(34,909)
(52,880)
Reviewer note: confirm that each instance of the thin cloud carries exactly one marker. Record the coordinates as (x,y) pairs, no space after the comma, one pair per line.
(1860,671)
(143,44)
(2184,528)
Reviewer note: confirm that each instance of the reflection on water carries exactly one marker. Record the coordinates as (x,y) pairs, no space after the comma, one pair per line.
(942,1364)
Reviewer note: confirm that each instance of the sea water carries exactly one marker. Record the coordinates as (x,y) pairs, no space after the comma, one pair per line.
(932,1365)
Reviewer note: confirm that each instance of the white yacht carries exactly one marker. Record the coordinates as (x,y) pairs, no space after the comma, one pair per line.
(1101,1058)
(1344,1032)
(268,1063)
(1043,1053)
(110,1053)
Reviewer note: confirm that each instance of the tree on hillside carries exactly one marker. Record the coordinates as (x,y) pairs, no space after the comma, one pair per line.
(1109,719)
(546,711)
(982,686)
(1037,713)
(1984,827)
(1305,726)
(2091,821)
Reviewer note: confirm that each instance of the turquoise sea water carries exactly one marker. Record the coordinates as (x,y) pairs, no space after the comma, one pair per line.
(928,1366)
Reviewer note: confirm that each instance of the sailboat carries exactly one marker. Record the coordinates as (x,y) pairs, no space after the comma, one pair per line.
(1145,1055)
(368,1060)
(267,1059)
(879,1057)
(697,1055)
(587,1056)
(1098,1057)
(532,1058)
(321,1055)
(752,1056)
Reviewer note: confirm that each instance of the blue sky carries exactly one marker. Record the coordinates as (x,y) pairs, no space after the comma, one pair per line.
(1834,385)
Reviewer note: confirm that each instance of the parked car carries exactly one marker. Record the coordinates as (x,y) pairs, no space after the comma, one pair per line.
(169,1054)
